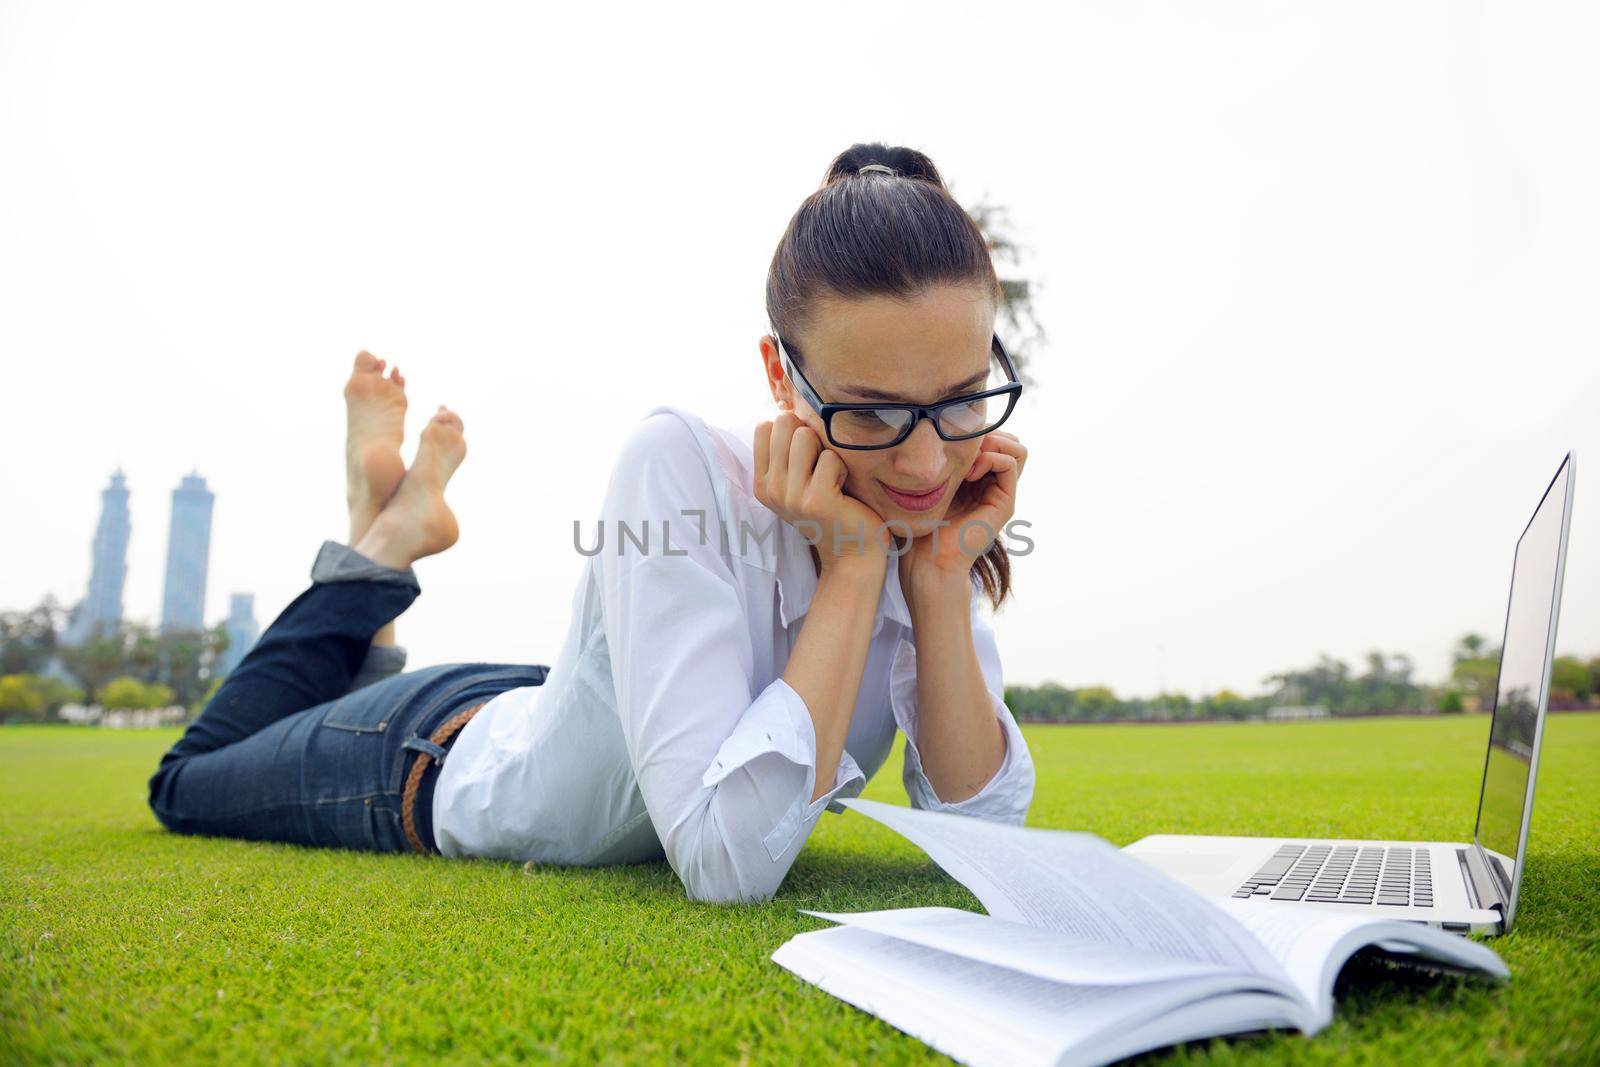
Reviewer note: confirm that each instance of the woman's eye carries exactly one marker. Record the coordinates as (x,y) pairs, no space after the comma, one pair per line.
(964,417)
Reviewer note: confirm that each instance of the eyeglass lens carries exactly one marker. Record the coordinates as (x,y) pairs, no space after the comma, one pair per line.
(882,426)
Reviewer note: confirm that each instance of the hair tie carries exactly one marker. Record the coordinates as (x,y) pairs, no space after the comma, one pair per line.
(890,171)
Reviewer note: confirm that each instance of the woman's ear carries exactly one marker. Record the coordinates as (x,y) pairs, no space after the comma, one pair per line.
(774,373)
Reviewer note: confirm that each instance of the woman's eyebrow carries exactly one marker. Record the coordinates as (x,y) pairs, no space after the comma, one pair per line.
(955,390)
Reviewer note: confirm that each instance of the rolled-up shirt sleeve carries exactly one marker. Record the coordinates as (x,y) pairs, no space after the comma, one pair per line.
(1007,794)
(726,769)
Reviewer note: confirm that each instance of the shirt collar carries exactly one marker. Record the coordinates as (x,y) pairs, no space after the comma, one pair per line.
(731,449)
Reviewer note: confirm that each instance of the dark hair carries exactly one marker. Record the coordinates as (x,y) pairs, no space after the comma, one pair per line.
(877,234)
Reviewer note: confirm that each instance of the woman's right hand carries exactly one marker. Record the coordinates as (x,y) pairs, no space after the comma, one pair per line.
(802,481)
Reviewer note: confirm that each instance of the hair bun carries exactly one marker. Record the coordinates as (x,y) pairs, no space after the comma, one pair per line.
(899,161)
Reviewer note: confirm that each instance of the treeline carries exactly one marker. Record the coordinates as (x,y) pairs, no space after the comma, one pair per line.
(1386,684)
(133,666)
(137,666)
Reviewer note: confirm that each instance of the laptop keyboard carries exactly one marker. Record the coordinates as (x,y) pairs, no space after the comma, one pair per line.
(1345,874)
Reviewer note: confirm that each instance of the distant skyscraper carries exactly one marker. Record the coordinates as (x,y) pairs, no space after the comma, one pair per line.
(242,631)
(101,608)
(183,605)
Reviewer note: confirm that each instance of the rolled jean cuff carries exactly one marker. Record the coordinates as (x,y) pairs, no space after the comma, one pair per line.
(341,563)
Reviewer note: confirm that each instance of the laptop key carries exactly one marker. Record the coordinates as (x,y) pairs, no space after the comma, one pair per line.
(1288,893)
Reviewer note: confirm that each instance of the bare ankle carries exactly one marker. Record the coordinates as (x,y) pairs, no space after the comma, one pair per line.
(384,547)
(360,523)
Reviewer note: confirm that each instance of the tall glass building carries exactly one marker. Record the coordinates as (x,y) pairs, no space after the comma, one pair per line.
(101,608)
(183,604)
(242,631)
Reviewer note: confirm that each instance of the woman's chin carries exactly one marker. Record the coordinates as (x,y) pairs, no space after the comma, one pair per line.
(920,523)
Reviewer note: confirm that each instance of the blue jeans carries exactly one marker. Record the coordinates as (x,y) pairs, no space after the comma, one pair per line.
(286,750)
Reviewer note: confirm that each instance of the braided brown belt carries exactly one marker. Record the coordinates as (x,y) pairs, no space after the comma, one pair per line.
(408,798)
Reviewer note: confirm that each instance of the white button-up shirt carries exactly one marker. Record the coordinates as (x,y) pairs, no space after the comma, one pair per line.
(664,728)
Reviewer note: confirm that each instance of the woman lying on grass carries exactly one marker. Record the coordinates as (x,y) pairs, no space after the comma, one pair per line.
(813,586)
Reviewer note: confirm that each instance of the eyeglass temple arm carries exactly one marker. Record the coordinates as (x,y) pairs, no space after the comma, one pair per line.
(1005,357)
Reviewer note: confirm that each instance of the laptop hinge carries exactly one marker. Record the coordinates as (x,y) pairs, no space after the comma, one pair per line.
(1483,884)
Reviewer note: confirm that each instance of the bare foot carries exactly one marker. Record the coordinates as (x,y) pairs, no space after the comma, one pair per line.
(417,522)
(375,408)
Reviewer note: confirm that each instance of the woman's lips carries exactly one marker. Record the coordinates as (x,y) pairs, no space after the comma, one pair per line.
(915,503)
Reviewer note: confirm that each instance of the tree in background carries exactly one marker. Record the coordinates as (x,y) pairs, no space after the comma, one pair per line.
(96,661)
(35,697)
(1175,706)
(1569,682)
(134,695)
(1097,702)
(28,639)
(19,701)
(1326,683)
(181,660)
(1017,304)
(1475,666)
(1052,702)
(1226,704)
(1387,684)
(185,659)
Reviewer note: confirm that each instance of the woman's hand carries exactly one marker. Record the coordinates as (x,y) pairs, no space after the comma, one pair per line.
(802,481)
(986,499)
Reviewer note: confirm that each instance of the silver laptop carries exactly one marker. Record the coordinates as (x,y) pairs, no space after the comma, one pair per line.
(1456,886)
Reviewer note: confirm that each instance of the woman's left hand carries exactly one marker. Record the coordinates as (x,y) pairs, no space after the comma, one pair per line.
(985,499)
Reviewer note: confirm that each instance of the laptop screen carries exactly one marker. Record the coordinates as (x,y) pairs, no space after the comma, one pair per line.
(1523,684)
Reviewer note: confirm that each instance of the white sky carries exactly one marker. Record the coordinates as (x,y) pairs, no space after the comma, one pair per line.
(1319,282)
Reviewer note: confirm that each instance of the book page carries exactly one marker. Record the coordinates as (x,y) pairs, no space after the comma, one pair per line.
(1046,954)
(984,1015)
(1075,884)
(1312,944)
(1300,939)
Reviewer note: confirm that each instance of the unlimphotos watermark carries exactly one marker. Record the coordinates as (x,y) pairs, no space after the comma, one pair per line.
(639,535)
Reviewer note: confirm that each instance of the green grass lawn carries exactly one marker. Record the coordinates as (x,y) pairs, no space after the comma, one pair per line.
(121,940)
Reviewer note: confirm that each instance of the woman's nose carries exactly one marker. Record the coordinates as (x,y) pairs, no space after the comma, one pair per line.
(920,457)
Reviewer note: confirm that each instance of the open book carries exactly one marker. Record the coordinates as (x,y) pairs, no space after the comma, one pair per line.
(1087,954)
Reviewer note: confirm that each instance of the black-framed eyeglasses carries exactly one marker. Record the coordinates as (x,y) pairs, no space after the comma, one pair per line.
(873,425)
